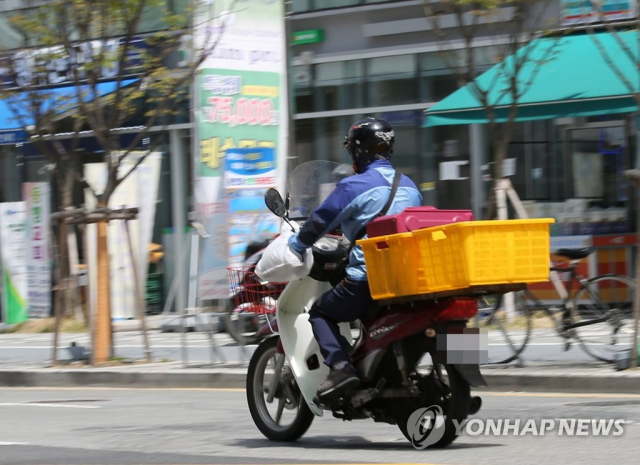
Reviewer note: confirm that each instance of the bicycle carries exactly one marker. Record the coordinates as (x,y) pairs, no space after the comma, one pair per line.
(601,307)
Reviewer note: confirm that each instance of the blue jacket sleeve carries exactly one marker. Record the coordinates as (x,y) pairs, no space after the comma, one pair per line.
(325,218)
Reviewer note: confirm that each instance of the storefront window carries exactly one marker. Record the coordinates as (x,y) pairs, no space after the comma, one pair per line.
(300,6)
(326,4)
(392,80)
(303,89)
(599,192)
(303,141)
(436,80)
(329,138)
(338,85)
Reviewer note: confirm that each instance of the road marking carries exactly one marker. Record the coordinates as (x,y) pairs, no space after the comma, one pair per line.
(91,388)
(2,443)
(558,394)
(26,404)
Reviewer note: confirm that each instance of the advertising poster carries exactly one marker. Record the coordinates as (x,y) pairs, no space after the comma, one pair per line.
(13,256)
(38,197)
(139,190)
(249,221)
(241,107)
(248,174)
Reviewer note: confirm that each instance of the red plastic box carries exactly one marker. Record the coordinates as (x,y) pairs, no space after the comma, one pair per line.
(413,218)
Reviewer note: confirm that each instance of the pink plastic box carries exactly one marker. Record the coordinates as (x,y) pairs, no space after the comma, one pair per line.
(413,218)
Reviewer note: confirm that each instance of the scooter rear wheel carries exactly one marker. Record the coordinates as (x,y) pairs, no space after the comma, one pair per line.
(287,396)
(455,403)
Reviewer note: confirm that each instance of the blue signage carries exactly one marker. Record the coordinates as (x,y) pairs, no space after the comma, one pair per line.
(12,137)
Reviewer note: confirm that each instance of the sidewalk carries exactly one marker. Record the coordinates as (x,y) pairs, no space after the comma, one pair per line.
(25,360)
(535,377)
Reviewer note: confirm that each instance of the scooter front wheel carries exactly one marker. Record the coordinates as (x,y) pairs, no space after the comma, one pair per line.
(276,404)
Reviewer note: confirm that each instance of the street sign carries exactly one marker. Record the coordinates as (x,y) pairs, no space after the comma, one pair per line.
(311,36)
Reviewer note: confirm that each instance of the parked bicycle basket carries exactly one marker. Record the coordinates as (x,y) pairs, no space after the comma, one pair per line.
(250,292)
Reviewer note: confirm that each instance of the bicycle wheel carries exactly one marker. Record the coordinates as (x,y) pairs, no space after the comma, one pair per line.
(507,337)
(605,305)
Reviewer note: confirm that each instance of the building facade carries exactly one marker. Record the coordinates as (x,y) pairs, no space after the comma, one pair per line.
(354,58)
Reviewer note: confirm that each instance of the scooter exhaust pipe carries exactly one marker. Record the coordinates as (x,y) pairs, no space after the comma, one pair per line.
(476,403)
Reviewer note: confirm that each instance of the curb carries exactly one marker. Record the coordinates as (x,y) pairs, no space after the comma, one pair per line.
(611,383)
(123,379)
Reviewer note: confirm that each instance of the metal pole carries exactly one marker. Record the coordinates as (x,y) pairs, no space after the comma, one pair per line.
(476,160)
(288,12)
(57,303)
(140,303)
(178,194)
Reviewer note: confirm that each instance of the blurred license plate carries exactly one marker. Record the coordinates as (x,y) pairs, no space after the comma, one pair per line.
(464,346)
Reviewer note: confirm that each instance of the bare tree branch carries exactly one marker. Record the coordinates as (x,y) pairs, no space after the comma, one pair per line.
(515,36)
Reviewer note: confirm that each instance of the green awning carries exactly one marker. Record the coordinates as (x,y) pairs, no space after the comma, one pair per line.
(576,81)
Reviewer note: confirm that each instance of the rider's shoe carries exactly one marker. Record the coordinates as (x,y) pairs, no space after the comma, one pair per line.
(342,376)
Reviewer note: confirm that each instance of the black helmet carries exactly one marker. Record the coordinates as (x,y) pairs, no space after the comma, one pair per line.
(370,138)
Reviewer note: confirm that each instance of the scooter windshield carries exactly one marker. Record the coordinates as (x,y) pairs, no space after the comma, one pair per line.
(309,185)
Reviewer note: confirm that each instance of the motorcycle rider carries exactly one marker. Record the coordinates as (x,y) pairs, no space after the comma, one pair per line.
(354,202)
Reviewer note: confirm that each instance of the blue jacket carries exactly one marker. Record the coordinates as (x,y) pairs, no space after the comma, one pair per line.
(354,202)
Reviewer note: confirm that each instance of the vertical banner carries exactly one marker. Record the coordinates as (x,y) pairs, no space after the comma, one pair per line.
(13,256)
(242,124)
(38,198)
(139,190)
(247,174)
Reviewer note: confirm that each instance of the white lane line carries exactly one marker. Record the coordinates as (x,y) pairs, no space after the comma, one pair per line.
(24,404)
(2,443)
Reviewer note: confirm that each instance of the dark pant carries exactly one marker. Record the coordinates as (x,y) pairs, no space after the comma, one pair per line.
(346,302)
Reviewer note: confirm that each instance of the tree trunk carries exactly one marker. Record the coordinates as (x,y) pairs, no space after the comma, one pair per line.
(102,345)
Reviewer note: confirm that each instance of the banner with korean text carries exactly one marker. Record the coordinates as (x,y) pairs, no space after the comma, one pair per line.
(242,125)
(38,198)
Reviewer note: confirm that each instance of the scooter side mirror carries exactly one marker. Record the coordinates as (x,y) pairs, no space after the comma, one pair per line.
(274,203)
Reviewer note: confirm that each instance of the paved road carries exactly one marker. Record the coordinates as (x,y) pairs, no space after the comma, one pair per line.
(118,427)
(544,345)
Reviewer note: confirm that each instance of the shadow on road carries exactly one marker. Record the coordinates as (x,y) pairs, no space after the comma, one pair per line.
(347,443)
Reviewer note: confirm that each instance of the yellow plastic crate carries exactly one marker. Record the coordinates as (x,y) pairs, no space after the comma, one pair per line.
(480,253)
(393,266)
(457,256)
